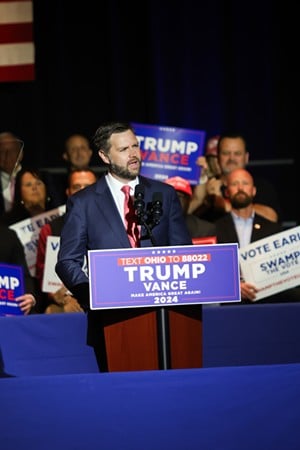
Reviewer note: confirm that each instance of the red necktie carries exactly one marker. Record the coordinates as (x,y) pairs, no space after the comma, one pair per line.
(130,218)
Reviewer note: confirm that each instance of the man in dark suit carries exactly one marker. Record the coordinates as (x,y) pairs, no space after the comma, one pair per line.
(95,219)
(60,301)
(243,225)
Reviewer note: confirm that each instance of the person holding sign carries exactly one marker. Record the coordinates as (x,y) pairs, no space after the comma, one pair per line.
(61,300)
(243,225)
(95,219)
(197,227)
(211,203)
(12,252)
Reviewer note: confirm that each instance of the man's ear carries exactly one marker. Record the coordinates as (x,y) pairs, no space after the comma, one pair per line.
(65,156)
(104,157)
(225,191)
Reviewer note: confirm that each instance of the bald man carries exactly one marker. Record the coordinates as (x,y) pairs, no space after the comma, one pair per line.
(242,224)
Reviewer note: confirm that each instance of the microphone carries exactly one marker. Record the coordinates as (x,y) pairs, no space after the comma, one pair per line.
(139,204)
(156,208)
(147,217)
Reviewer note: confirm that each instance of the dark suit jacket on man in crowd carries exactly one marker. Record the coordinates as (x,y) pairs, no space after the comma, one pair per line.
(226,232)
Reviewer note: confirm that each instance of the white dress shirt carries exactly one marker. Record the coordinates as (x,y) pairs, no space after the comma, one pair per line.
(115,188)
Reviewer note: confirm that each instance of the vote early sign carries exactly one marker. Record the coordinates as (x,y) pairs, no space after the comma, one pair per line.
(164,276)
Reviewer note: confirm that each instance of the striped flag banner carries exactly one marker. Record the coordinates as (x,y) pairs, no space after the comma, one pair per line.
(16,41)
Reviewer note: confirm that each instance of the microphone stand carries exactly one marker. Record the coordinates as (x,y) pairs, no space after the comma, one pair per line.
(163,337)
(149,231)
(149,221)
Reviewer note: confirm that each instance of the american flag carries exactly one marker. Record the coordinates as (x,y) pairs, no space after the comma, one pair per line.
(16,41)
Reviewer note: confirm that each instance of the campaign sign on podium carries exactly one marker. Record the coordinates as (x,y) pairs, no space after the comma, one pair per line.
(11,287)
(164,276)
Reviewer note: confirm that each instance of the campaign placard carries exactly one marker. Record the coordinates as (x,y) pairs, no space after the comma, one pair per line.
(28,231)
(169,151)
(51,281)
(11,287)
(272,264)
(164,276)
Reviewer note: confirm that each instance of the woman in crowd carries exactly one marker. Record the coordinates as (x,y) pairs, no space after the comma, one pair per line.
(30,199)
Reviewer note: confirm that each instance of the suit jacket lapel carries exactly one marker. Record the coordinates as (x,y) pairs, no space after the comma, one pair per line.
(257,229)
(232,234)
(109,211)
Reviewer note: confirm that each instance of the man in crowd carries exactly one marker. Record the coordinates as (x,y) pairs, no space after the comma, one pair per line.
(76,154)
(244,225)
(233,154)
(61,300)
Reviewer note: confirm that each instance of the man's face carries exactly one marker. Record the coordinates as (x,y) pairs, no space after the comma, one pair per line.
(10,151)
(80,180)
(78,152)
(232,155)
(240,189)
(124,156)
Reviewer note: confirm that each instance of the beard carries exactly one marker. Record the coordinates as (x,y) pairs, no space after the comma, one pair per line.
(124,172)
(241,200)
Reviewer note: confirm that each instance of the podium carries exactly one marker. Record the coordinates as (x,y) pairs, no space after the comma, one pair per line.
(151,301)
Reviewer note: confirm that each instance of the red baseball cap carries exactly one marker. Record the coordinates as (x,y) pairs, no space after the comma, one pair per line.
(180,184)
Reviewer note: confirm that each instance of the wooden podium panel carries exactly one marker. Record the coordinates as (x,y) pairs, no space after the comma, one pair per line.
(185,332)
(132,342)
(131,339)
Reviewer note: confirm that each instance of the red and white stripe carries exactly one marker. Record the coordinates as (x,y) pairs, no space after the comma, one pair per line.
(16,41)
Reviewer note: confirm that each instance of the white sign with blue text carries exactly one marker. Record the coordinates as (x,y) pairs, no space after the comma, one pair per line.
(272,264)
(28,231)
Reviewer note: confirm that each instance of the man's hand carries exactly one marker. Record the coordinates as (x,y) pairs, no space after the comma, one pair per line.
(71,304)
(213,187)
(26,302)
(248,291)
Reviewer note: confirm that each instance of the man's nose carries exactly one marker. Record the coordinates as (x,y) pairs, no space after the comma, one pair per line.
(133,151)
